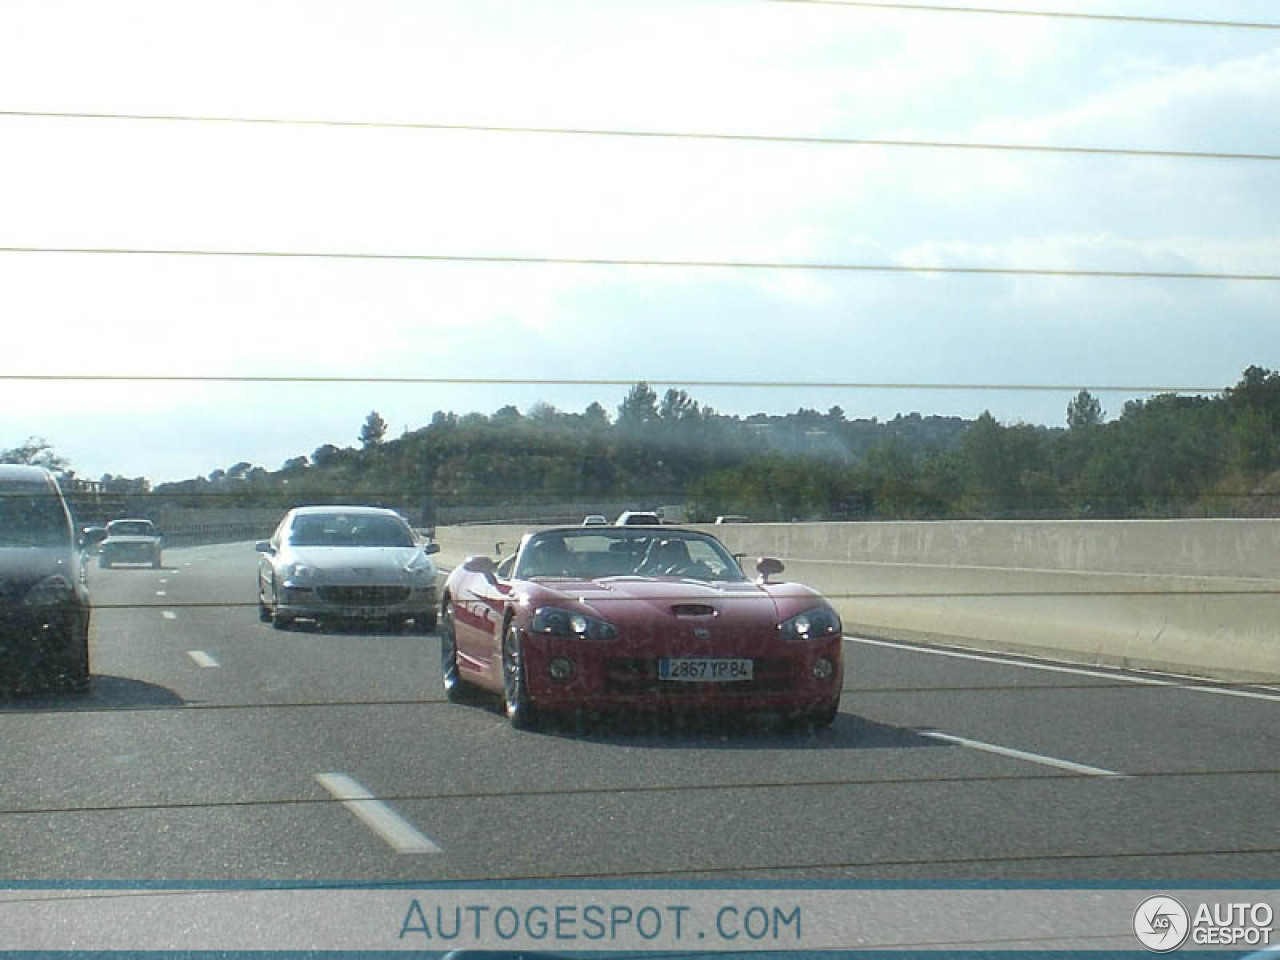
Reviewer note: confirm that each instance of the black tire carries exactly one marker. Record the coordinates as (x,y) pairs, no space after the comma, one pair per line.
(155,562)
(279,621)
(817,718)
(66,665)
(426,623)
(264,612)
(454,687)
(516,702)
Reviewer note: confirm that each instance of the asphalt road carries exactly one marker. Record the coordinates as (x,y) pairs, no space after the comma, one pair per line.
(213,747)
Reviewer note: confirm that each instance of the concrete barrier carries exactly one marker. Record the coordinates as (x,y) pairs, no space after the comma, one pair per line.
(1199,597)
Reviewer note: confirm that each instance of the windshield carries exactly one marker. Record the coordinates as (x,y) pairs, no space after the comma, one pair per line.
(31,515)
(619,553)
(349,530)
(130,528)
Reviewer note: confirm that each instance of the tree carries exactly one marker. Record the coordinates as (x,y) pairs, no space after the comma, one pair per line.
(373,431)
(507,416)
(595,416)
(1254,407)
(1084,411)
(325,455)
(639,407)
(677,406)
(36,452)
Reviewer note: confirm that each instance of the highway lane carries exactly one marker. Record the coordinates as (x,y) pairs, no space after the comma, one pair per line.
(940,766)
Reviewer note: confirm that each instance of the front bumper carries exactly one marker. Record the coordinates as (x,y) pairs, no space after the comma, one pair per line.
(787,677)
(129,553)
(356,602)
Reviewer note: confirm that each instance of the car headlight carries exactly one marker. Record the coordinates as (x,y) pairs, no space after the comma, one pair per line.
(297,572)
(49,592)
(421,568)
(569,623)
(811,625)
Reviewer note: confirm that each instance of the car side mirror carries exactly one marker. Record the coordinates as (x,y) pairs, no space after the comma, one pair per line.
(263,546)
(768,567)
(431,548)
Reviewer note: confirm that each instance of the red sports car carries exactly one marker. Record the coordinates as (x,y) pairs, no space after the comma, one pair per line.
(582,618)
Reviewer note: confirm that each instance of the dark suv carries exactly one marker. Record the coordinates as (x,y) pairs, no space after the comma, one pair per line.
(44,606)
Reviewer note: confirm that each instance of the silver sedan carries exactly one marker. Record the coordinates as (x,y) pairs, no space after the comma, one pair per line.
(342,563)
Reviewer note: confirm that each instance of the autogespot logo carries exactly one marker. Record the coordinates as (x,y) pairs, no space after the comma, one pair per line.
(1161,924)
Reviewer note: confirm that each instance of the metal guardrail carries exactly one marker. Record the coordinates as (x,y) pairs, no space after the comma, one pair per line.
(192,534)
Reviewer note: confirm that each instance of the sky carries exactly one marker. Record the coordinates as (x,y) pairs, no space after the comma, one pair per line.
(737,67)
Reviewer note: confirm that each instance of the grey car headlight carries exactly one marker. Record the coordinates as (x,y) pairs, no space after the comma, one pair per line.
(421,568)
(297,572)
(49,592)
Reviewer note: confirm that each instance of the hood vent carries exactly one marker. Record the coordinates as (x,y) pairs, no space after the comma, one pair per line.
(693,610)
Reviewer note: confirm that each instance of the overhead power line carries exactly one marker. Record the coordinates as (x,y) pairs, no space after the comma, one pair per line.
(597,382)
(650,135)
(1049,14)
(834,267)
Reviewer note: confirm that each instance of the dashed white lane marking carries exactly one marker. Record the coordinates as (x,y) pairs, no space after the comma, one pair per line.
(202,658)
(164,579)
(1020,754)
(399,833)
(1077,671)
(168,615)
(161,593)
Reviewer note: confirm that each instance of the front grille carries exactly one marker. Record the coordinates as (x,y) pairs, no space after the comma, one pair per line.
(131,549)
(640,675)
(363,596)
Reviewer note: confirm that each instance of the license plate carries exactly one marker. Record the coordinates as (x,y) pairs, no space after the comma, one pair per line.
(705,669)
(363,613)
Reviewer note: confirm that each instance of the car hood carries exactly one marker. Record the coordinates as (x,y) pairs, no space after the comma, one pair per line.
(621,600)
(357,564)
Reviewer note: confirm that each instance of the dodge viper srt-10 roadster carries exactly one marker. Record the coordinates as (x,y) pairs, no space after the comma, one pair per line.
(588,618)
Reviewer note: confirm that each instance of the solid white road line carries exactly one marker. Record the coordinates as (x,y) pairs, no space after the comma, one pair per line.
(1077,671)
(169,615)
(1020,754)
(202,658)
(399,833)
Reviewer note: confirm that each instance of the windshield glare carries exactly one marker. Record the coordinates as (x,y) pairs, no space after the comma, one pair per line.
(620,553)
(31,515)
(349,530)
(130,528)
